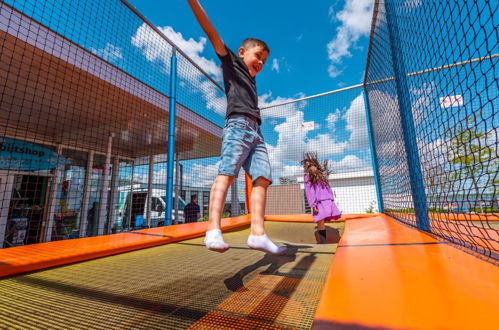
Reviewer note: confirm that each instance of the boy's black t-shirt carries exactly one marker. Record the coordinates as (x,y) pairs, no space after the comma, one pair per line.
(240,87)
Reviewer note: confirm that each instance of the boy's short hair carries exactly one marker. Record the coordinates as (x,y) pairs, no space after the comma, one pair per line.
(252,42)
(193,197)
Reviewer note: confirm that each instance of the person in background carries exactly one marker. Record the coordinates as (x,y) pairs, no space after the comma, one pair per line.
(191,211)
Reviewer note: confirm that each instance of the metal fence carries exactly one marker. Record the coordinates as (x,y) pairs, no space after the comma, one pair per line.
(333,125)
(87,98)
(89,91)
(106,126)
(432,88)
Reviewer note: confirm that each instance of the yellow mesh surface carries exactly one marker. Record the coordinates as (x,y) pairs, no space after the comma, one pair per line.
(177,286)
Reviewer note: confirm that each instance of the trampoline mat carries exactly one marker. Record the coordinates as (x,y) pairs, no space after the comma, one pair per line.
(177,286)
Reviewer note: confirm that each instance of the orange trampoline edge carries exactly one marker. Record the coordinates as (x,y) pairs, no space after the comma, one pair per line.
(349,296)
(306,217)
(41,256)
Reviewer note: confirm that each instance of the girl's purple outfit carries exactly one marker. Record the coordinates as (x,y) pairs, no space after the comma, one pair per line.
(321,196)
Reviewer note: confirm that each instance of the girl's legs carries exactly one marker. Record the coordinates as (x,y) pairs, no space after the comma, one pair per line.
(321,228)
(321,225)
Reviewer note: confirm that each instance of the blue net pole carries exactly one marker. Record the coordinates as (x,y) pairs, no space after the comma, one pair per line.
(408,130)
(171,140)
(372,147)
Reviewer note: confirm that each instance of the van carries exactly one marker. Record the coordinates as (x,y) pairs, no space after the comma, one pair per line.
(132,210)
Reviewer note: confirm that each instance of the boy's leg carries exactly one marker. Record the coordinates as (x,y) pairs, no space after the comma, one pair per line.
(258,239)
(213,239)
(218,195)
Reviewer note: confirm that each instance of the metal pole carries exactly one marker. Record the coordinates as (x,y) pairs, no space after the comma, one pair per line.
(114,195)
(372,146)
(86,195)
(149,190)
(176,189)
(408,130)
(103,207)
(171,139)
(58,171)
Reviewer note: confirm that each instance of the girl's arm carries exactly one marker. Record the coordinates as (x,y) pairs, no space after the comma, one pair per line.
(207,27)
(309,192)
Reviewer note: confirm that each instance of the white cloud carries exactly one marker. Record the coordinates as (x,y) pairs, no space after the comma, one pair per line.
(201,175)
(110,53)
(350,163)
(293,141)
(356,124)
(355,22)
(422,104)
(288,110)
(275,65)
(291,170)
(332,118)
(215,99)
(155,48)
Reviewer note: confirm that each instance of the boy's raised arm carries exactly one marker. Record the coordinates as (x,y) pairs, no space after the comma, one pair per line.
(207,27)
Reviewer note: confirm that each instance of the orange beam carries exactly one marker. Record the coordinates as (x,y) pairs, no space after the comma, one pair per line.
(454,216)
(308,217)
(388,275)
(32,257)
(249,188)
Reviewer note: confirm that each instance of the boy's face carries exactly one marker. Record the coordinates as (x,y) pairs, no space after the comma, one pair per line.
(254,57)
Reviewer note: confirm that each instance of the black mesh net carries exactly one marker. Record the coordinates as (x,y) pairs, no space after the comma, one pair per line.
(432,85)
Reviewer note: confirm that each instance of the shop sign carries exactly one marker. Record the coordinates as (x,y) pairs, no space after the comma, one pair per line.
(16,155)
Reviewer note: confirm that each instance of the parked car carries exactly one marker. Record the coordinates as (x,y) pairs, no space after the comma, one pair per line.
(132,212)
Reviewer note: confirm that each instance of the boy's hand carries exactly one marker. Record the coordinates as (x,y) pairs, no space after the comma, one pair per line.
(315,209)
(207,27)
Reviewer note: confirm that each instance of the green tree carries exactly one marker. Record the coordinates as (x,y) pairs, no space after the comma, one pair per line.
(473,159)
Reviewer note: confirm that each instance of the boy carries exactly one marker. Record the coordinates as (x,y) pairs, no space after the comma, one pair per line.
(242,141)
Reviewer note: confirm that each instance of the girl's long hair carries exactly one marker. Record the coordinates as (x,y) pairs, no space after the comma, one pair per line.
(316,171)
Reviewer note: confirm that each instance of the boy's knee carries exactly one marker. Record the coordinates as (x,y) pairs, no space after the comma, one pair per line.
(222,178)
(262,182)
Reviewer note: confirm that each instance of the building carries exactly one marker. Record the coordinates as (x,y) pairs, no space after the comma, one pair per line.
(69,122)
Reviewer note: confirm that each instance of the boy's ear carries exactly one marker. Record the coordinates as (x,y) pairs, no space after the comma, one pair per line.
(240,51)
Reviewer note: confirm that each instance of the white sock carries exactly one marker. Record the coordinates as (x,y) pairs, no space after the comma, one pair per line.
(214,241)
(263,243)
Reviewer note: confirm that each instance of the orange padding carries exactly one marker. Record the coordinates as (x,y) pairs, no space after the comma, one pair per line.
(454,216)
(308,217)
(32,257)
(387,275)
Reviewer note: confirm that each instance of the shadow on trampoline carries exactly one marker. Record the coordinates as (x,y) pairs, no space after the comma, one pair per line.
(272,305)
(303,233)
(235,282)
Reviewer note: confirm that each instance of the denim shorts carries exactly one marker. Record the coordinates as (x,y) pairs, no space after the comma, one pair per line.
(242,145)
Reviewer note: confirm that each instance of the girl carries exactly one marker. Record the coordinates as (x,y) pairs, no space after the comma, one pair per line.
(319,194)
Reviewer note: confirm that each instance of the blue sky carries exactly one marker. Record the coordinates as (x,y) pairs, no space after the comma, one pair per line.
(315,47)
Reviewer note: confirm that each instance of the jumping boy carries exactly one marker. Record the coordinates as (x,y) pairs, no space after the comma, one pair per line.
(242,141)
